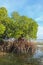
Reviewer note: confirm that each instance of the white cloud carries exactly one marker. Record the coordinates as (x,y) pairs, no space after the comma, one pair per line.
(39,18)
(40,32)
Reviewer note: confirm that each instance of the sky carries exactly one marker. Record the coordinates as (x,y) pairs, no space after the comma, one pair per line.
(31,8)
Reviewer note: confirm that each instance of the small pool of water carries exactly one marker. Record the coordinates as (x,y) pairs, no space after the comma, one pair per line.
(37,57)
(39,52)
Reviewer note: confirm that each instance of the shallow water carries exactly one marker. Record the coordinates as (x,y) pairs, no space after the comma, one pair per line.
(37,57)
(33,59)
(38,52)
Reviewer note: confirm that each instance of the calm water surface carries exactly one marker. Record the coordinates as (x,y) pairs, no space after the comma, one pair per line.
(37,57)
(34,59)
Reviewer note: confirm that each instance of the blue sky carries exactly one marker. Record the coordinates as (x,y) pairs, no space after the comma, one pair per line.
(30,8)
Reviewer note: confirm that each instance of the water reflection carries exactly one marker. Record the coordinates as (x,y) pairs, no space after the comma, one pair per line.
(37,57)
(34,59)
(29,59)
(38,53)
